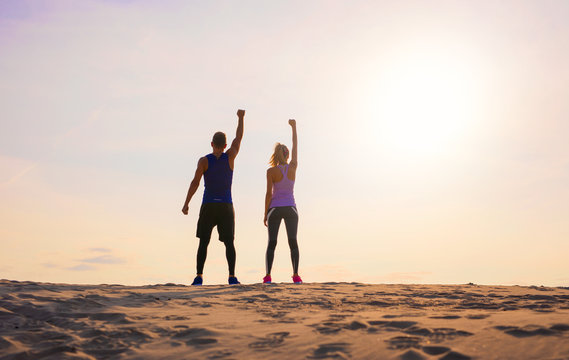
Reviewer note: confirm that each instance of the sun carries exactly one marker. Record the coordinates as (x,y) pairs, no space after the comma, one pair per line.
(424,105)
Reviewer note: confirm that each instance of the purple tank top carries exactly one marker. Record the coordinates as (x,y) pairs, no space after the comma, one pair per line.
(283,191)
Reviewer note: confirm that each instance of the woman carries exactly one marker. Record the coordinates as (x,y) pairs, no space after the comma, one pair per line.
(279,204)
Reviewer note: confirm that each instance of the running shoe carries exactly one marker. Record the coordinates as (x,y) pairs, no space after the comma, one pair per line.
(198,281)
(233,280)
(267,280)
(296,279)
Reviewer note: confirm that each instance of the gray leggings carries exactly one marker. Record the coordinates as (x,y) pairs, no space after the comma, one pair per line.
(274,217)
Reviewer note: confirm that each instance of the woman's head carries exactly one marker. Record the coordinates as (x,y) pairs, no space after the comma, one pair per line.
(280,155)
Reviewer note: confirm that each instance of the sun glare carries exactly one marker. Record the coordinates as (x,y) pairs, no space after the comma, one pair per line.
(424,105)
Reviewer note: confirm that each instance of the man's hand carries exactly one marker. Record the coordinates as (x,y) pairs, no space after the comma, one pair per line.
(240,113)
(185,209)
(292,122)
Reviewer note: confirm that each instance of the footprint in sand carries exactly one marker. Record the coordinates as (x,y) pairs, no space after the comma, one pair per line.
(477,316)
(328,328)
(417,330)
(279,316)
(175,317)
(271,341)
(389,325)
(201,341)
(418,335)
(195,336)
(379,303)
(114,339)
(533,330)
(435,350)
(338,316)
(332,326)
(220,354)
(192,333)
(256,298)
(412,328)
(355,325)
(404,342)
(331,351)
(119,318)
(441,334)
(400,324)
(446,317)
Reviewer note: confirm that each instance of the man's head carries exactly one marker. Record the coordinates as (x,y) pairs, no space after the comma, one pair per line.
(219,141)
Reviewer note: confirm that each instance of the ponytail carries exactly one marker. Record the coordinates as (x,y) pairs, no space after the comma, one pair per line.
(280,155)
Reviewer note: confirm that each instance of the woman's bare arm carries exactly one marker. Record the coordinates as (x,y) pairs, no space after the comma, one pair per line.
(294,158)
(268,195)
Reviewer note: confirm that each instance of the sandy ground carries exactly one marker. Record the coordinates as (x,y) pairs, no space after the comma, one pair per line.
(282,321)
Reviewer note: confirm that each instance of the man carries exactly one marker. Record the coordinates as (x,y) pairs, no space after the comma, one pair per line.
(217,205)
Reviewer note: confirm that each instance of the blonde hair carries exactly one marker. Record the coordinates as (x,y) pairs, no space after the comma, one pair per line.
(280,155)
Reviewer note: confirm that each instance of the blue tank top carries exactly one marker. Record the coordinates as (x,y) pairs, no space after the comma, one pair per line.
(217,180)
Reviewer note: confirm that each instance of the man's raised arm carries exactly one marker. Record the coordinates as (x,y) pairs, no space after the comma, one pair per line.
(234,149)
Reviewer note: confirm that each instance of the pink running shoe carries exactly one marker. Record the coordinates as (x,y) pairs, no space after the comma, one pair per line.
(267,280)
(296,279)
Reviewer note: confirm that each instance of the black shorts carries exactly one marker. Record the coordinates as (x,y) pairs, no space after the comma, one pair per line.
(216,214)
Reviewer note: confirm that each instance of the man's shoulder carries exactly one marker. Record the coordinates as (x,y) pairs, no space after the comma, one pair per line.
(203,162)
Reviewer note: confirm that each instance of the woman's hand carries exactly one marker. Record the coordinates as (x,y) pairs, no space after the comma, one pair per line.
(265,220)
(292,122)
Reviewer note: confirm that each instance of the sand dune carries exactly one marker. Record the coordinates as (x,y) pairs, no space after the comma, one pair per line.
(282,321)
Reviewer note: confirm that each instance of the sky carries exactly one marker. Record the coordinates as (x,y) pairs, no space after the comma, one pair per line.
(432,138)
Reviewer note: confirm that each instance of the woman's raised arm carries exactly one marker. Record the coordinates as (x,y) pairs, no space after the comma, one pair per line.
(294,158)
